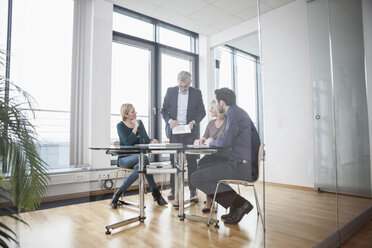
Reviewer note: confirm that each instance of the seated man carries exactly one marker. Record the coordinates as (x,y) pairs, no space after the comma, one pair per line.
(242,140)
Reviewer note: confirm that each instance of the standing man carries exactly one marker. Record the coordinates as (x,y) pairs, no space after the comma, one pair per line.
(183,105)
(242,140)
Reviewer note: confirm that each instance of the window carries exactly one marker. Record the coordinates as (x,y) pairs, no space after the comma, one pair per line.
(41,65)
(130,83)
(143,67)
(175,39)
(226,73)
(170,67)
(238,71)
(132,26)
(245,85)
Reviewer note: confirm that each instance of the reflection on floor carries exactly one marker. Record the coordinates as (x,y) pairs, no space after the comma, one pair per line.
(296,217)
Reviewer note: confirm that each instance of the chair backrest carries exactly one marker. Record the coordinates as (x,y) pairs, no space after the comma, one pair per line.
(259,158)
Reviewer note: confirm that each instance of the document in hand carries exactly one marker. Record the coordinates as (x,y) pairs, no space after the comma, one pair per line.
(180,129)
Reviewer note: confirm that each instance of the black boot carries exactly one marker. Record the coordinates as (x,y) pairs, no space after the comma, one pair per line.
(158,197)
(226,216)
(238,213)
(115,198)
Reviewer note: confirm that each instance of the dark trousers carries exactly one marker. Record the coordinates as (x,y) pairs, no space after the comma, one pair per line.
(206,177)
(186,139)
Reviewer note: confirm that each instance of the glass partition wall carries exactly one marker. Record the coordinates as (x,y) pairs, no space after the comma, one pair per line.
(236,65)
(342,146)
(353,165)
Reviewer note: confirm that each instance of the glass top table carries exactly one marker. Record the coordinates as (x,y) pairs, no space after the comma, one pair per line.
(179,150)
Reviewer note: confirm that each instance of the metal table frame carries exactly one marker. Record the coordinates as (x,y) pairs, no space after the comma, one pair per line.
(179,151)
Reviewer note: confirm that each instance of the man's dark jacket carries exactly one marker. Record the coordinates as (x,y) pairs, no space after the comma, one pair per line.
(195,109)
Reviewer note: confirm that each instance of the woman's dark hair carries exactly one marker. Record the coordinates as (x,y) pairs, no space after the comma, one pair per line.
(226,95)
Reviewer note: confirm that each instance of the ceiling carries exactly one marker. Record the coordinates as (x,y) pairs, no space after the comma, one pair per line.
(201,16)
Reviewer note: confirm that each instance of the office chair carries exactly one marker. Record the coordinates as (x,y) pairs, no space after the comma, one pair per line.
(244,183)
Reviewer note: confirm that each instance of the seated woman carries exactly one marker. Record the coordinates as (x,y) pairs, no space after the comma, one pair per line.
(132,131)
(214,130)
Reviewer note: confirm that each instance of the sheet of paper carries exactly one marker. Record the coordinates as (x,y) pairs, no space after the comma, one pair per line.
(180,129)
(160,145)
(198,146)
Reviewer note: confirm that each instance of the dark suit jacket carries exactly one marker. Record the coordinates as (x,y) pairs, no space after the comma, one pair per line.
(241,137)
(195,109)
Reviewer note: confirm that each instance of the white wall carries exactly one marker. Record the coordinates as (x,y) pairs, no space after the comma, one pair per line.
(288,96)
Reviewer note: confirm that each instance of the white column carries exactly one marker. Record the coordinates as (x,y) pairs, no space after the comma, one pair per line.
(80,86)
(100,81)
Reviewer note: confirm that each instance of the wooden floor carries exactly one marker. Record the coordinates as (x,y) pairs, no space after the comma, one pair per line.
(295,218)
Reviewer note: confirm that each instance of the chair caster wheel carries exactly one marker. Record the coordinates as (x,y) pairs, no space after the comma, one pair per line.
(107,232)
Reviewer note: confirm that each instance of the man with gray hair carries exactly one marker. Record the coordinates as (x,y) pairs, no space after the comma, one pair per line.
(183,105)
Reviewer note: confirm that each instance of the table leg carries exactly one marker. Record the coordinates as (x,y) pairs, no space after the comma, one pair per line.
(176,182)
(181,210)
(141,217)
(141,187)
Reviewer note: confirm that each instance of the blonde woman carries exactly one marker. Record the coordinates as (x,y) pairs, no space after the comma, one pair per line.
(132,131)
(214,130)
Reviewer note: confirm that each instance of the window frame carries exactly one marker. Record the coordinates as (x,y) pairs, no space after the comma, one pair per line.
(258,94)
(155,118)
(194,37)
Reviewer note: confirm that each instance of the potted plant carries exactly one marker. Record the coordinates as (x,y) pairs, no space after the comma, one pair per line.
(23,177)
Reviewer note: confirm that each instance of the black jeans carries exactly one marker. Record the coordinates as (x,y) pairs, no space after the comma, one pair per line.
(186,139)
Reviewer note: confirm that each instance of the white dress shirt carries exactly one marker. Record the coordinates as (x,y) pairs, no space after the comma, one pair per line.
(183,99)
